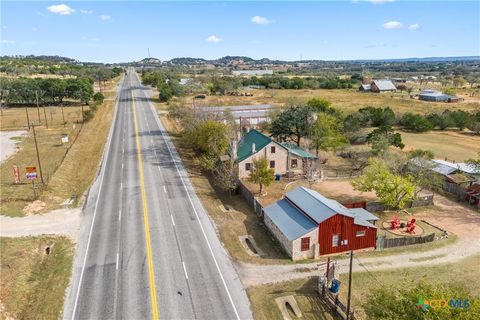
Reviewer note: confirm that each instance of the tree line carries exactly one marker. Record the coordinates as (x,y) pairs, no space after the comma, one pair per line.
(166,82)
(277,82)
(24,91)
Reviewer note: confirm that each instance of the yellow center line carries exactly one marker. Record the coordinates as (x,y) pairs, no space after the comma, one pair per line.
(151,273)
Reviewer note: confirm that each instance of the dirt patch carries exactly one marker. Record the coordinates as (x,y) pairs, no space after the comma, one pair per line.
(9,143)
(34,207)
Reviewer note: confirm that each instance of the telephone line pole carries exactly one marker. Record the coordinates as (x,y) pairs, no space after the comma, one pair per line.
(38,154)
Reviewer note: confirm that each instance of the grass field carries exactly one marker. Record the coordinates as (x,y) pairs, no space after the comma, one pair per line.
(347,100)
(264,307)
(464,273)
(453,145)
(60,163)
(33,283)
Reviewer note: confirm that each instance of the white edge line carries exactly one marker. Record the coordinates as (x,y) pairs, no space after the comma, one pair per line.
(120,214)
(165,189)
(185,270)
(173,222)
(195,211)
(116,265)
(112,126)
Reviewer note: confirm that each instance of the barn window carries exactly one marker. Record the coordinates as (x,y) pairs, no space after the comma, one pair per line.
(294,163)
(248,166)
(272,149)
(361,233)
(305,244)
(335,240)
(272,164)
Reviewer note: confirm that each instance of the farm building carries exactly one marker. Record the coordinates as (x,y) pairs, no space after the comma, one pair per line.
(364,88)
(283,157)
(437,96)
(244,115)
(309,225)
(378,86)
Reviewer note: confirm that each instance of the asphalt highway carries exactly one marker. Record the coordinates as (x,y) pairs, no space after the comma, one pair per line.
(147,248)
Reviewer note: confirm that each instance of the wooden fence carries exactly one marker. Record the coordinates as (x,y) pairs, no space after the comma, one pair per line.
(420,202)
(383,242)
(251,199)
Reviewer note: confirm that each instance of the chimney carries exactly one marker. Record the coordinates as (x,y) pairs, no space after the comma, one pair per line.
(253,148)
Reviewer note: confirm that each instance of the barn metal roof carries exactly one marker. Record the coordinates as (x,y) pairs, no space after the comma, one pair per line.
(238,108)
(245,146)
(320,208)
(384,85)
(364,214)
(444,167)
(292,222)
(296,150)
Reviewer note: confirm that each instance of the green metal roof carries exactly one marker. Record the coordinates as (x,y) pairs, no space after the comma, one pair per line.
(244,149)
(296,150)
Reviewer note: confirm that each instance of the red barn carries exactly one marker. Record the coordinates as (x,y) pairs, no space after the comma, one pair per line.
(308,225)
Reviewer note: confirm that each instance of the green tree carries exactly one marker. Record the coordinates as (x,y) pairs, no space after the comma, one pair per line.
(415,122)
(291,123)
(406,301)
(212,138)
(378,116)
(461,119)
(98,97)
(261,173)
(327,133)
(381,138)
(393,190)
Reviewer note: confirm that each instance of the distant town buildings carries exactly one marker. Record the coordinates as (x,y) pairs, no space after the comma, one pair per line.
(251,72)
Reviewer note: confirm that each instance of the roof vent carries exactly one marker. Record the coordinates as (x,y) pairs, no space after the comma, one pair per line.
(253,148)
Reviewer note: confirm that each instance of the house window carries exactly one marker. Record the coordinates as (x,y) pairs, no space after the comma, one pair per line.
(361,233)
(272,164)
(305,244)
(294,163)
(335,240)
(272,149)
(248,166)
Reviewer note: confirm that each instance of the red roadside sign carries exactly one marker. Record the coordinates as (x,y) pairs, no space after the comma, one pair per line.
(31,173)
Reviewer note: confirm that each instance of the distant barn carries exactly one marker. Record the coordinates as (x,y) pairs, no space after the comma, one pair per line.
(378,86)
(437,96)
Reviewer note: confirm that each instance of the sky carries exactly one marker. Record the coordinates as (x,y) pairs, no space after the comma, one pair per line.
(109,31)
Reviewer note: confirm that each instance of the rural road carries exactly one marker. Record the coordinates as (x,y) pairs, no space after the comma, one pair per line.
(147,249)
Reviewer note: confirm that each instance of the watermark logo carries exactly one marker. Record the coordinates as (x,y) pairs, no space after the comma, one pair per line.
(425,305)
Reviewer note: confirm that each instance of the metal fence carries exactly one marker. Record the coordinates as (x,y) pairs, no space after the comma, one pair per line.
(337,307)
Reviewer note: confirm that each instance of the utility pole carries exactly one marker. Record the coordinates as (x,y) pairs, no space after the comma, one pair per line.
(45,115)
(28,118)
(38,107)
(349,284)
(38,154)
(81,103)
(63,115)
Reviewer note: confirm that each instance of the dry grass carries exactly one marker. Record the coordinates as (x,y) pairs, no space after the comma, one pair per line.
(464,273)
(33,284)
(452,145)
(263,303)
(230,225)
(347,100)
(65,173)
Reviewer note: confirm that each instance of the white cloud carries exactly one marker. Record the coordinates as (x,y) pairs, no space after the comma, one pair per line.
(61,9)
(414,27)
(260,20)
(105,18)
(8,41)
(86,11)
(392,25)
(213,38)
